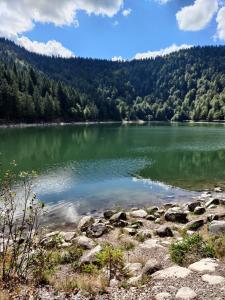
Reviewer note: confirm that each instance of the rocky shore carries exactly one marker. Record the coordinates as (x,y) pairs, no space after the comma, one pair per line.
(150,268)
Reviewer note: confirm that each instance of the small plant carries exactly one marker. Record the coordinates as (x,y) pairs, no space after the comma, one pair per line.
(89,268)
(19,231)
(112,258)
(191,249)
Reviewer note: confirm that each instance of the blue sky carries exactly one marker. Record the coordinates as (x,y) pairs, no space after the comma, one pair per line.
(114,28)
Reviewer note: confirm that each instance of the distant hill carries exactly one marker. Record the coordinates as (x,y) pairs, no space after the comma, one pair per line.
(185,85)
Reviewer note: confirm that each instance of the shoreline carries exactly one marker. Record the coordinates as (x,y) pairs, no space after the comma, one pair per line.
(139,122)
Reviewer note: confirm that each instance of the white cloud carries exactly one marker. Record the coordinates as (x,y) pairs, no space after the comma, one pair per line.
(115,23)
(161,52)
(17,17)
(51,48)
(126,12)
(197,16)
(221,24)
(117,58)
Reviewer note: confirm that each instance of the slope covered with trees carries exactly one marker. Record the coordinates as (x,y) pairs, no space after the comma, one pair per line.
(186,85)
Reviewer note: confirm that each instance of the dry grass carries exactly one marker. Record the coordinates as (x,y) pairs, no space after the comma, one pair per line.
(4,295)
(87,283)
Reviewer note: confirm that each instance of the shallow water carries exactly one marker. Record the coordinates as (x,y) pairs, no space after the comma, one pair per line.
(83,168)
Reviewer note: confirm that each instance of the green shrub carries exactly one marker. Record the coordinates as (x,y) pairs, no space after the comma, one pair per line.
(90,268)
(191,249)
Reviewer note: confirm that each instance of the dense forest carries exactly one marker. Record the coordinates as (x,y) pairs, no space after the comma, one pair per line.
(186,85)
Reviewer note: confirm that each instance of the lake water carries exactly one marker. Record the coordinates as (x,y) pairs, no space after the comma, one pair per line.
(83,168)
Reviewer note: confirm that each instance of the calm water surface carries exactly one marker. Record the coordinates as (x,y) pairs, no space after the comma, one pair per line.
(90,167)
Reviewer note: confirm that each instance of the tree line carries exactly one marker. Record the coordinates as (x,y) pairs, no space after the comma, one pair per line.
(186,85)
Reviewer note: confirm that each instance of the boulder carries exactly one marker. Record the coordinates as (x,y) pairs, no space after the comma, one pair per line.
(108,214)
(90,256)
(152,210)
(199,210)
(133,269)
(193,205)
(134,280)
(151,266)
(140,213)
(185,293)
(195,225)
(164,231)
(176,215)
(212,201)
(84,242)
(206,265)
(217,227)
(85,222)
(97,230)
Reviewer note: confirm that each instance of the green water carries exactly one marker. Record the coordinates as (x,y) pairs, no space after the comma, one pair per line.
(87,167)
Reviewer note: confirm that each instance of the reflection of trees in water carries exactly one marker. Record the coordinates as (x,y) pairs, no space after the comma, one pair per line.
(187,168)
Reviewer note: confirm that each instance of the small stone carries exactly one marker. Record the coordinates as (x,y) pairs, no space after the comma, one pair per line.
(206,265)
(185,293)
(108,214)
(97,230)
(172,272)
(85,222)
(90,256)
(141,213)
(212,201)
(152,210)
(68,236)
(134,280)
(164,231)
(114,283)
(163,296)
(150,243)
(212,279)
(133,269)
(193,205)
(151,266)
(65,245)
(218,189)
(158,221)
(161,212)
(84,242)
(151,218)
(130,231)
(195,225)
(199,210)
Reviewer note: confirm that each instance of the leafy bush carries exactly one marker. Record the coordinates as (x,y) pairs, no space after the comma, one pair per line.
(112,258)
(191,249)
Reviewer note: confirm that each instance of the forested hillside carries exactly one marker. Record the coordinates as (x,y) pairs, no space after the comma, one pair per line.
(185,85)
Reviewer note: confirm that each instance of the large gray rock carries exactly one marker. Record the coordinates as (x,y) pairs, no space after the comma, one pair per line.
(176,215)
(164,231)
(97,230)
(85,222)
(84,242)
(217,227)
(151,266)
(119,216)
(163,296)
(185,293)
(195,225)
(90,256)
(68,236)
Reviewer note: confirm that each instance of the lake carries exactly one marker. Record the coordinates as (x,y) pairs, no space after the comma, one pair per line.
(83,168)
